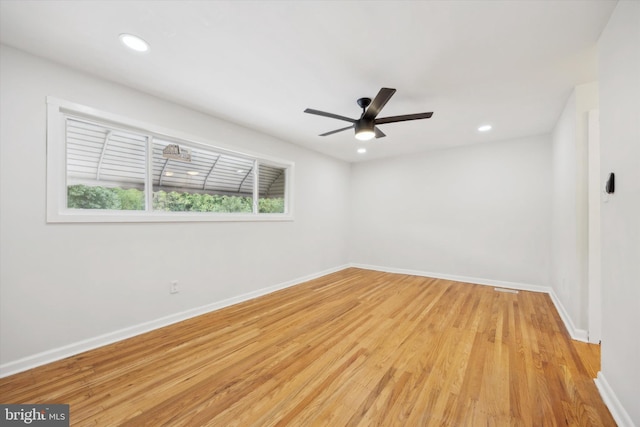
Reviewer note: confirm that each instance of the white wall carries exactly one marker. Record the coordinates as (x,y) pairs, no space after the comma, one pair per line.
(619,85)
(477,211)
(569,247)
(62,283)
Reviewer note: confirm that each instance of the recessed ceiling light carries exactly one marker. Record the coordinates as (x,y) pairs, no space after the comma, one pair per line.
(134,42)
(484,128)
(192,173)
(168,173)
(362,150)
(239,171)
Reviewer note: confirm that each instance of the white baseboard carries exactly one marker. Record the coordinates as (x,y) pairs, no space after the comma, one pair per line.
(622,417)
(575,333)
(59,353)
(465,279)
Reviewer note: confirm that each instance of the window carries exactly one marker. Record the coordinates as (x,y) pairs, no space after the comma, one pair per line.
(107,168)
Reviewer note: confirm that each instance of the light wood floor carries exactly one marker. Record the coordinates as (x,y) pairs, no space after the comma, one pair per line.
(352,348)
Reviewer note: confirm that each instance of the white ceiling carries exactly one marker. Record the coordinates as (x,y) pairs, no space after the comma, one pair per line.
(261,63)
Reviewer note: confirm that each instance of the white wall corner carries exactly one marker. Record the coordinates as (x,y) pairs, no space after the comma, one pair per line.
(620,415)
(73,349)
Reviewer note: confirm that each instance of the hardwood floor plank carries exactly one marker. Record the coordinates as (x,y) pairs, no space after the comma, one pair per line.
(353,348)
(590,356)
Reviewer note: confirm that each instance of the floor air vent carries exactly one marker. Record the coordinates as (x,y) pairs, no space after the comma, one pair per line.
(509,291)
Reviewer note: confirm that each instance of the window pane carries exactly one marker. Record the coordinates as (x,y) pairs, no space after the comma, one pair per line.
(271,192)
(105,167)
(187,179)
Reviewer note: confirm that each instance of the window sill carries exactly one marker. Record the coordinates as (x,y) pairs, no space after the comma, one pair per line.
(74,216)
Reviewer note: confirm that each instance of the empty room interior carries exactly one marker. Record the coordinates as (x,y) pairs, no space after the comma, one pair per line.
(269,213)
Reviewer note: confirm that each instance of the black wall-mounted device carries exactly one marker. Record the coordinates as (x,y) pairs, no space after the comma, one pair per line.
(611,183)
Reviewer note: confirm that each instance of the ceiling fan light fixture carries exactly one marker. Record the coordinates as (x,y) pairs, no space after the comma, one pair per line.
(364,131)
(365,135)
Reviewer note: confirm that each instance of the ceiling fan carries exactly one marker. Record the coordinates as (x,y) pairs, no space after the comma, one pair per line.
(365,126)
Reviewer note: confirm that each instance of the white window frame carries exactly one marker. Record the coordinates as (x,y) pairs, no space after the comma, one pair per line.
(57,112)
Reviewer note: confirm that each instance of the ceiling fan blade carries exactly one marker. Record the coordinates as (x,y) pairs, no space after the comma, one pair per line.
(331,115)
(403,118)
(379,133)
(380,100)
(335,131)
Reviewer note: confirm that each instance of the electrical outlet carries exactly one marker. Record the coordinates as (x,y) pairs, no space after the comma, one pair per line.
(173,287)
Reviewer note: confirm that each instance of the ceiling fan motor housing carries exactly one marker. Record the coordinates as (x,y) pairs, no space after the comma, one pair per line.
(363,125)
